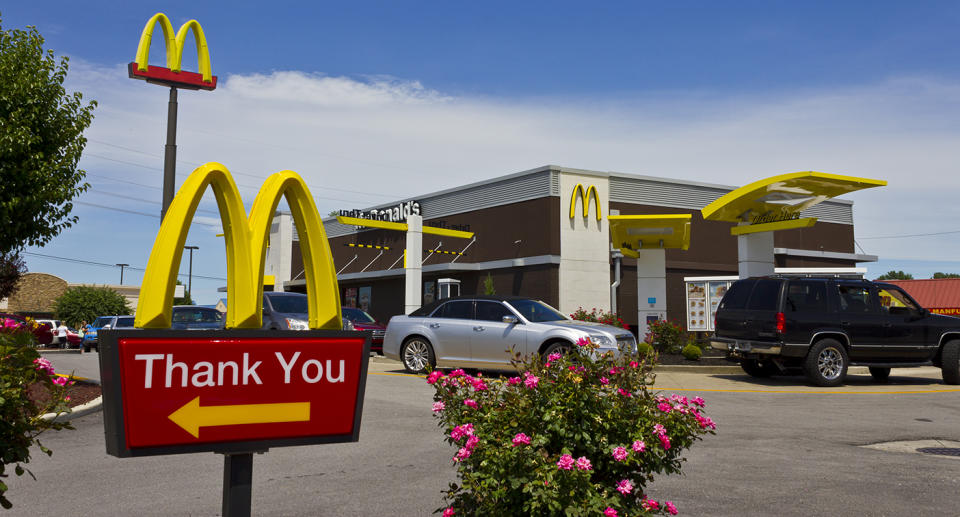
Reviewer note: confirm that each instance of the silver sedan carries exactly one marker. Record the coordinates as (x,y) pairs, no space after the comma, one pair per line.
(482,332)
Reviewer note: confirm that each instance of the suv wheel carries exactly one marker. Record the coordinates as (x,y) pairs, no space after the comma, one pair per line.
(880,373)
(416,354)
(757,368)
(826,364)
(950,362)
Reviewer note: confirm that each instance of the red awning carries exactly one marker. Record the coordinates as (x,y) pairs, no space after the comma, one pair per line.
(938,293)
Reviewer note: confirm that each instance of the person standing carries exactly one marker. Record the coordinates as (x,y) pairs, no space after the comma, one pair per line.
(62,335)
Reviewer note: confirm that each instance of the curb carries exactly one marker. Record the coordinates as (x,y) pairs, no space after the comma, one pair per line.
(683,368)
(60,350)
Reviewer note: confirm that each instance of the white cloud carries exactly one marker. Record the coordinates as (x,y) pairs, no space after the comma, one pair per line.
(361,142)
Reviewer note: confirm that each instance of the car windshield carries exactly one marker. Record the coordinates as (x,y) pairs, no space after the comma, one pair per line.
(196,315)
(101,321)
(289,304)
(357,315)
(124,321)
(536,311)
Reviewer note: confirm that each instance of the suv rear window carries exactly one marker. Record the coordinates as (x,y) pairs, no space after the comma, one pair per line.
(806,296)
(737,295)
(765,294)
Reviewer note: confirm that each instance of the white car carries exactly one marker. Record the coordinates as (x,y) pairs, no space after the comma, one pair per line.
(483,331)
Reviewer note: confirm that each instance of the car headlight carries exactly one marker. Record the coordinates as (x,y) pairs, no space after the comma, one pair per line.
(602,341)
(295,324)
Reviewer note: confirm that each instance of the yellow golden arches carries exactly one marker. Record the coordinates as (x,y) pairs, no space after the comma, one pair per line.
(585,197)
(174,44)
(246,241)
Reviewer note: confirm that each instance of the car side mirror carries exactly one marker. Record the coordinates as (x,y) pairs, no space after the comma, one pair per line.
(510,320)
(106,327)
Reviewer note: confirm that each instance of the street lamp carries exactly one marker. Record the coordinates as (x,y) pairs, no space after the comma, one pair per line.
(190,274)
(121,271)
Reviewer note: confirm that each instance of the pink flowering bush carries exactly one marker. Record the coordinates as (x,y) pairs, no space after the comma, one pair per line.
(576,434)
(21,368)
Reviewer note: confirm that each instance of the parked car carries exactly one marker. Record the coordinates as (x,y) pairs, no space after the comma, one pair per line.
(192,317)
(481,331)
(43,333)
(104,322)
(289,311)
(363,321)
(54,325)
(826,325)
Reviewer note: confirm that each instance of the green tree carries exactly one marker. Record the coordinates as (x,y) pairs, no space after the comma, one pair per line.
(11,269)
(939,275)
(186,300)
(895,275)
(86,303)
(41,138)
(488,288)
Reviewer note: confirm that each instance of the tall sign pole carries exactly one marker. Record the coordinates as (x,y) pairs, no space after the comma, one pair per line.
(173,77)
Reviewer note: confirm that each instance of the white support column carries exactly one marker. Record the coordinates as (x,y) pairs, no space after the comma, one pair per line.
(755,254)
(413,286)
(651,288)
(280,252)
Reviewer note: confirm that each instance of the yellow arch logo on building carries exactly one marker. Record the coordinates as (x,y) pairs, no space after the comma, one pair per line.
(585,197)
(174,44)
(246,241)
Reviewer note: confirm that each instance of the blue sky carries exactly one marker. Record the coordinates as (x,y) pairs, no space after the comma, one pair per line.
(373,102)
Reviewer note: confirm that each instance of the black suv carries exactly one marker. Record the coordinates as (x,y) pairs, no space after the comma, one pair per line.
(825,325)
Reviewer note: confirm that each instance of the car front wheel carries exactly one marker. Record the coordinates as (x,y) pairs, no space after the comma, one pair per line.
(950,362)
(416,354)
(826,364)
(559,347)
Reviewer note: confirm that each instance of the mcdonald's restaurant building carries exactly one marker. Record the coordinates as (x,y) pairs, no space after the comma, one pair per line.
(537,234)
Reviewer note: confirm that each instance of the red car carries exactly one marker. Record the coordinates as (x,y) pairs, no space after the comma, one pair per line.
(42,332)
(363,321)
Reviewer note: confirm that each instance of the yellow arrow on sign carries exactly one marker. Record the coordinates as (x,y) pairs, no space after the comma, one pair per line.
(191,417)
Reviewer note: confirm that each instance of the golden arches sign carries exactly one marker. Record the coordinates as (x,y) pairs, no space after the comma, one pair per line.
(585,197)
(174,44)
(246,241)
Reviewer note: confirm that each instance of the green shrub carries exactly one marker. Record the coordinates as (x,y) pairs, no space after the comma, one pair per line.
(597,316)
(22,369)
(576,434)
(86,303)
(691,352)
(665,336)
(644,349)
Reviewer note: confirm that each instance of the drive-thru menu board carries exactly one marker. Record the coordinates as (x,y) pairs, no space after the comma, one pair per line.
(703,297)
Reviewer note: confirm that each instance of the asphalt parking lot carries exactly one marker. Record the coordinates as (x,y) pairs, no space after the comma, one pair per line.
(782,448)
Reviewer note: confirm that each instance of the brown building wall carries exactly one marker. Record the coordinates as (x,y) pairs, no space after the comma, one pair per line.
(36,294)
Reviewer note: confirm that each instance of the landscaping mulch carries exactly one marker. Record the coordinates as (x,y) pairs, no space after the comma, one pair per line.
(710,357)
(79,393)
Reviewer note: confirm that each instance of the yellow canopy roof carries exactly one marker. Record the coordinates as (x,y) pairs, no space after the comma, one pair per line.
(783,197)
(630,233)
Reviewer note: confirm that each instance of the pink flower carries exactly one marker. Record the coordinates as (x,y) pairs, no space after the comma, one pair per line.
(460,431)
(472,442)
(680,399)
(625,487)
(583,463)
(434,376)
(623,392)
(650,504)
(531,381)
(663,406)
(610,512)
(604,381)
(470,403)
(619,453)
(478,384)
(583,341)
(634,364)
(449,512)
(665,440)
(671,509)
(439,406)
(639,446)
(513,381)
(659,429)
(60,381)
(66,398)
(463,454)
(458,373)
(553,357)
(565,463)
(571,368)
(698,401)
(521,438)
